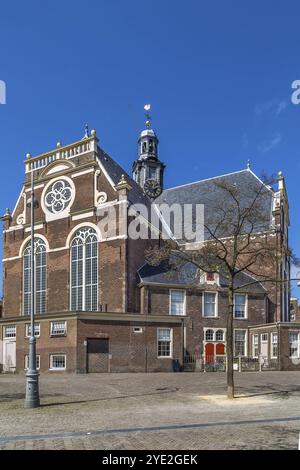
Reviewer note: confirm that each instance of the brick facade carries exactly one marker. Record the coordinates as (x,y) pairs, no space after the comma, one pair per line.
(98,184)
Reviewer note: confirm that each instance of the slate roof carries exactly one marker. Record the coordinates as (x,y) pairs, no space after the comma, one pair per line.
(208,193)
(115,171)
(189,275)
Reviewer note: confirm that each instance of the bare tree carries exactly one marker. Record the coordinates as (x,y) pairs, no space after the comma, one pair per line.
(239,237)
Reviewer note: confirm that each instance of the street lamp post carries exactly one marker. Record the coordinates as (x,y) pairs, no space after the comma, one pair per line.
(32,399)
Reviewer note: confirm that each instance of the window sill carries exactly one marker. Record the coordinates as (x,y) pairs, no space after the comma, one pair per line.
(57,369)
(164,357)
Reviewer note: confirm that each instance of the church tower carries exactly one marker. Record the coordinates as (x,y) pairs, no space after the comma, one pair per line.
(148,170)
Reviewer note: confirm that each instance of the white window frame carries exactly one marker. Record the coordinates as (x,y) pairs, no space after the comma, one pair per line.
(271,344)
(246,308)
(214,330)
(184,301)
(40,247)
(13,336)
(256,335)
(216,304)
(264,341)
(58,334)
(37,330)
(171,343)
(246,341)
(137,329)
(220,340)
(215,280)
(51,362)
(83,237)
(213,335)
(38,362)
(298,344)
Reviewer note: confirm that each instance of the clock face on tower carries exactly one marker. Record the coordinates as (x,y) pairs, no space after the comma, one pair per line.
(152,188)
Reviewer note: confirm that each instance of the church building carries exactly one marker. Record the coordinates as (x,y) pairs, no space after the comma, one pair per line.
(99,306)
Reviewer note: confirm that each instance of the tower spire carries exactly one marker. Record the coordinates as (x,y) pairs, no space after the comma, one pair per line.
(148,170)
(147,108)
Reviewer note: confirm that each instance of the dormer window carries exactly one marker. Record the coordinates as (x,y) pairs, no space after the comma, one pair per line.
(210,277)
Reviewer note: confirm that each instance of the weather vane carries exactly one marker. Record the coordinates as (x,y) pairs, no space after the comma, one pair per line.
(147,108)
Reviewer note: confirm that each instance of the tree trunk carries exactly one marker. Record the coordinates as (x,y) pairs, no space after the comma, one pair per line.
(229,344)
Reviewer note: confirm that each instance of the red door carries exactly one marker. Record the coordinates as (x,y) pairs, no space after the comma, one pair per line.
(220,349)
(209,353)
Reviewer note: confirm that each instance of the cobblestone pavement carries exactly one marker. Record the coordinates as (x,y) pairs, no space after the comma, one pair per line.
(152,411)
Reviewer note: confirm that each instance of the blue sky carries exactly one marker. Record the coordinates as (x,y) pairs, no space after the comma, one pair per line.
(218,75)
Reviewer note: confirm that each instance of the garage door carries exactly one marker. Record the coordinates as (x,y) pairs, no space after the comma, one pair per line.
(97,355)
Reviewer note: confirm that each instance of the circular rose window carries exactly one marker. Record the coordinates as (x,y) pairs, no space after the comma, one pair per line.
(58,196)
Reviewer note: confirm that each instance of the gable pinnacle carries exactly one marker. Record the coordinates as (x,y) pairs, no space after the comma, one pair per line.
(86,131)
(123,184)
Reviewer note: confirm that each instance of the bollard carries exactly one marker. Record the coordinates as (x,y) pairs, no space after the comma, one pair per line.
(240,363)
(260,362)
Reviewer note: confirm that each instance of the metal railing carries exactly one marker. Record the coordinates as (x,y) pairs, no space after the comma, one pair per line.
(201,363)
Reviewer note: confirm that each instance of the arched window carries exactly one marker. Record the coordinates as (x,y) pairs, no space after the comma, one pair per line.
(220,335)
(84,270)
(209,335)
(40,277)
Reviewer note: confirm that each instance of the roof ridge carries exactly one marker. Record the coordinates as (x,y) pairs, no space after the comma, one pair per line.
(211,178)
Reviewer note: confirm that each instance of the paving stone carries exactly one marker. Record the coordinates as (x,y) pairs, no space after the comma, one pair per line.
(105,402)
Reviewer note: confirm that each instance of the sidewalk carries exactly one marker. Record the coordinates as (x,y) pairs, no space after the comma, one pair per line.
(152,411)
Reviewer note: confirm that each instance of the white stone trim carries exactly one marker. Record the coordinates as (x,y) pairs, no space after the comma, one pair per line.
(12,228)
(10,259)
(66,247)
(83,224)
(18,200)
(21,219)
(28,190)
(65,213)
(36,227)
(82,216)
(24,243)
(83,172)
(106,174)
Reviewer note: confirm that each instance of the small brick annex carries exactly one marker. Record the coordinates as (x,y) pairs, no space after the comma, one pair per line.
(129,341)
(120,320)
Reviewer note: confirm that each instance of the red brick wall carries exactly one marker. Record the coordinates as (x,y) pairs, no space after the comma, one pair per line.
(159,305)
(46,345)
(128,348)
